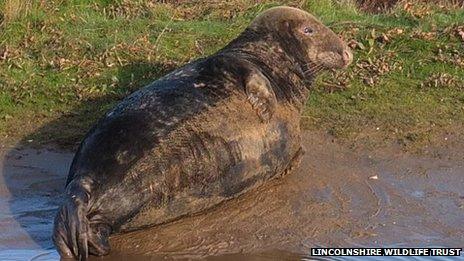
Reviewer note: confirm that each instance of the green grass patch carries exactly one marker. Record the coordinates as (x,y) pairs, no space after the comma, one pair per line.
(63,65)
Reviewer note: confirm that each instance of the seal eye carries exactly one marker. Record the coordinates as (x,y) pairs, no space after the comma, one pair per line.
(308,30)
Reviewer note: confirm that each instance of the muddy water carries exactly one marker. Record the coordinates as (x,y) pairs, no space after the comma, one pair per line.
(338,197)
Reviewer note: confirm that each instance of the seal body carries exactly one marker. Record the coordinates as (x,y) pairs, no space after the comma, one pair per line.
(206,132)
(182,145)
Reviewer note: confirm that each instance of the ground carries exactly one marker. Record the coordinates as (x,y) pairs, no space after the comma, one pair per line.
(64,63)
(338,197)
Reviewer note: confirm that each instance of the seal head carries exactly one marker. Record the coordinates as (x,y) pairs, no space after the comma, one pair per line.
(303,35)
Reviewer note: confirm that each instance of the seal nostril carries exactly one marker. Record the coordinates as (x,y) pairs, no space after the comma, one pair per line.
(347,56)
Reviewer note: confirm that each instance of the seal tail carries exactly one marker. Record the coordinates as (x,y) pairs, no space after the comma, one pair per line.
(74,234)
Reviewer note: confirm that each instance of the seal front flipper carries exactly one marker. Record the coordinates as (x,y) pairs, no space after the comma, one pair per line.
(260,95)
(294,162)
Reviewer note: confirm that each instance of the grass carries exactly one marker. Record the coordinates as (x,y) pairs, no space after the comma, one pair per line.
(64,63)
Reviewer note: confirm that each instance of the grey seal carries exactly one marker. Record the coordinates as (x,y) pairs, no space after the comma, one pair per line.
(204,133)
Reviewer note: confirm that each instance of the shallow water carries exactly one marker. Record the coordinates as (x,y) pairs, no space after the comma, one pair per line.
(339,197)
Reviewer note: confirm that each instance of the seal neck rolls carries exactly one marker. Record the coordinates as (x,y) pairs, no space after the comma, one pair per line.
(284,68)
(290,46)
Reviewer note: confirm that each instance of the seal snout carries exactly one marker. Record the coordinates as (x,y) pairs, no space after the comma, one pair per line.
(339,58)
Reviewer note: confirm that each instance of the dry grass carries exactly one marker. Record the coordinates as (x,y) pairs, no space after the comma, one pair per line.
(452,3)
(14,9)
(376,6)
(380,6)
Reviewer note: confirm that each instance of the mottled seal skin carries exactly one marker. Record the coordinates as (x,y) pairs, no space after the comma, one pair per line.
(206,132)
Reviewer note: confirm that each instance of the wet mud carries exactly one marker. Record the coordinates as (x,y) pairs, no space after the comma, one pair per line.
(339,196)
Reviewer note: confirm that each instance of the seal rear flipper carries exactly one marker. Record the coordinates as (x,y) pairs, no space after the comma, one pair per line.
(73,232)
(260,95)
(70,231)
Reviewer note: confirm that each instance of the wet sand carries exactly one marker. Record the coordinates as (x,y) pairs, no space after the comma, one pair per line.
(338,197)
(31,182)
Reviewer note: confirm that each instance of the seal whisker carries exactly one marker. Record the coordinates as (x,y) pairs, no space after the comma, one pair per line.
(313,69)
(312,65)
